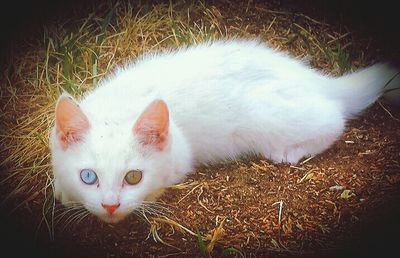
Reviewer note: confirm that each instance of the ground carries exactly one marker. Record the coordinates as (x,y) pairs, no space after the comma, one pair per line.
(343,202)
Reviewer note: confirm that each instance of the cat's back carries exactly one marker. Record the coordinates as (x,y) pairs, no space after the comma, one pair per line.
(208,71)
(216,58)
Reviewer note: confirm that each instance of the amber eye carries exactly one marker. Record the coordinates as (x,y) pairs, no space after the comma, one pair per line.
(133,177)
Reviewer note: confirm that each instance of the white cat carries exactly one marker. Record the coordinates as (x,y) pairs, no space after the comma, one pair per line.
(149,123)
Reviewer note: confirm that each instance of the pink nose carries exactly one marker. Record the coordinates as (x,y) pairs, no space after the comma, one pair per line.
(110,207)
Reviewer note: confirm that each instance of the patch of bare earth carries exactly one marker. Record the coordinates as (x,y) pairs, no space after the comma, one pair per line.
(314,208)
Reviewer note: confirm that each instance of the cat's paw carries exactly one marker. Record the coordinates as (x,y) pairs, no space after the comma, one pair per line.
(58,193)
(291,155)
(154,195)
(295,153)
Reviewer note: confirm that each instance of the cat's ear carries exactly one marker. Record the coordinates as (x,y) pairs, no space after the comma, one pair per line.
(152,126)
(71,122)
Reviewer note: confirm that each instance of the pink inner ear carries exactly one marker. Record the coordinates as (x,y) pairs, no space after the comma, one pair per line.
(152,125)
(71,122)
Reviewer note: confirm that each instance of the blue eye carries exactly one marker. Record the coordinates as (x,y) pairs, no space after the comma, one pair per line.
(88,176)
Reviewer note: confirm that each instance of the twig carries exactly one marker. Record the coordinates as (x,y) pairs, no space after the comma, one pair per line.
(387,111)
(270,25)
(280,211)
(307,160)
(191,191)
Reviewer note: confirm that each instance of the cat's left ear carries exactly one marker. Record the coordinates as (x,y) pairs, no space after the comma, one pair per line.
(71,122)
(153,124)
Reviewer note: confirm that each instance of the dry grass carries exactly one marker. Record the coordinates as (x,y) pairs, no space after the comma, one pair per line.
(64,62)
(74,56)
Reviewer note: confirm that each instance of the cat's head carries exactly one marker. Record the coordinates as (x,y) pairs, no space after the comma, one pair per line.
(113,167)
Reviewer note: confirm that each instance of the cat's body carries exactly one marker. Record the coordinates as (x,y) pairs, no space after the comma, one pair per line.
(214,101)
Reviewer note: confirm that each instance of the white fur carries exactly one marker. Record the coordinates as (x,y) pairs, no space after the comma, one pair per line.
(225,99)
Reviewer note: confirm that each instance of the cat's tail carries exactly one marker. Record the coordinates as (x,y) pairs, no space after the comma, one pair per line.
(362,88)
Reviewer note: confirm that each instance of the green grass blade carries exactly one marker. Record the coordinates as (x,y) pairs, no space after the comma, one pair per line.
(99,41)
(105,24)
(202,246)
(230,251)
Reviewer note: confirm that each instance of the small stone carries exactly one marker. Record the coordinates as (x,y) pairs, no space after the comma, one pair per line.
(336,188)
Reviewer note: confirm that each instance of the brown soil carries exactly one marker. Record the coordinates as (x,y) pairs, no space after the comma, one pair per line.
(343,202)
(315,219)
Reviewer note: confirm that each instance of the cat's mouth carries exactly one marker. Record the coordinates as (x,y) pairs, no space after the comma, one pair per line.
(113,218)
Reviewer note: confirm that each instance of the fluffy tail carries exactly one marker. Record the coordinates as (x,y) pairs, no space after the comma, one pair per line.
(362,88)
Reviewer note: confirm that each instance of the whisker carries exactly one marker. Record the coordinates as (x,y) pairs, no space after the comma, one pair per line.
(152,211)
(78,204)
(71,211)
(157,207)
(84,215)
(68,208)
(77,217)
(162,204)
(143,213)
(71,218)
(139,215)
(59,217)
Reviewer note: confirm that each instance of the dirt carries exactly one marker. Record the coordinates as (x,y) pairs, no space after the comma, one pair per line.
(343,202)
(334,203)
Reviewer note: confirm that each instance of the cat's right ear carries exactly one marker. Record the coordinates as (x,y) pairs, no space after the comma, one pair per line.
(71,122)
(152,126)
